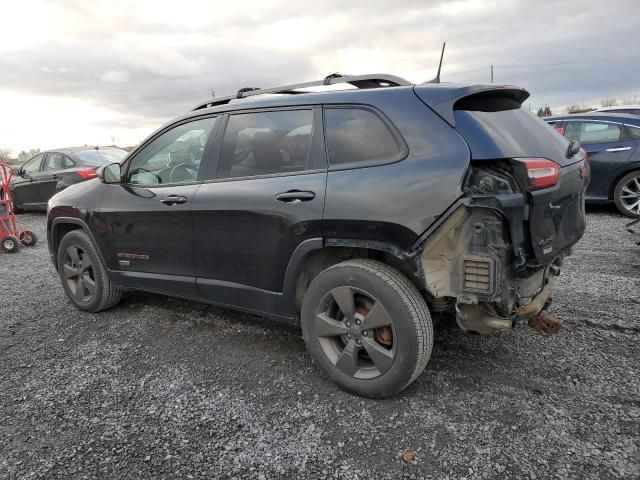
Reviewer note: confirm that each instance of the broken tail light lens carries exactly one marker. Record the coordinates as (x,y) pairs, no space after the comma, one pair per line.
(87,173)
(542,173)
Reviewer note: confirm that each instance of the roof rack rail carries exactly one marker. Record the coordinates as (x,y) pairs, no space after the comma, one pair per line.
(376,80)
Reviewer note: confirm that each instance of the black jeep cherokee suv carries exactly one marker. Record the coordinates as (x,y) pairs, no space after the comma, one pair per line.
(351,213)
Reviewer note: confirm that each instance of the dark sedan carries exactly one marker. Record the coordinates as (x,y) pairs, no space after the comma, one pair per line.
(46,174)
(613,144)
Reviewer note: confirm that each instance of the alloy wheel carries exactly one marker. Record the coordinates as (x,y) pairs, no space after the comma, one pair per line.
(356,332)
(78,273)
(630,195)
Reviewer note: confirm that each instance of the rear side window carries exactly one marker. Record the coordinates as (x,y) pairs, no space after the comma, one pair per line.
(356,135)
(593,132)
(54,161)
(266,143)
(101,156)
(634,132)
(557,126)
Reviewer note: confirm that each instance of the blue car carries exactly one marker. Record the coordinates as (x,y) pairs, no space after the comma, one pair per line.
(612,142)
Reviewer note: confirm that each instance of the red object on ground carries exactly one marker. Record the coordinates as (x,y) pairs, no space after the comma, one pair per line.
(12,233)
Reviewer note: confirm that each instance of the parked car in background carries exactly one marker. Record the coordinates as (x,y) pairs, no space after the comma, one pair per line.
(632,109)
(612,142)
(50,172)
(354,214)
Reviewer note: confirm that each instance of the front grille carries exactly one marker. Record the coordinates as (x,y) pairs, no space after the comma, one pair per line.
(478,274)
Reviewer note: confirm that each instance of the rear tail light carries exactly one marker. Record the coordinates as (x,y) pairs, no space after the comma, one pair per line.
(87,173)
(542,173)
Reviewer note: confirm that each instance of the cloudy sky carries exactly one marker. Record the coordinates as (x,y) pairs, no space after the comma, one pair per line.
(104,71)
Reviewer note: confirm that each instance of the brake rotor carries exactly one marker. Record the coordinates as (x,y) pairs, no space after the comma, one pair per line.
(384,336)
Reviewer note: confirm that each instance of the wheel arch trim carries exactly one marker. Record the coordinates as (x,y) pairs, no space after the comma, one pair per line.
(306,247)
(53,246)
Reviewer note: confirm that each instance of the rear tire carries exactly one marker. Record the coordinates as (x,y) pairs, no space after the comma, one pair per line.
(84,278)
(367,327)
(10,244)
(627,194)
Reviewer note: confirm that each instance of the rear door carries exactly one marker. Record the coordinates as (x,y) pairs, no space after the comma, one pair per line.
(609,148)
(25,186)
(145,222)
(262,200)
(52,168)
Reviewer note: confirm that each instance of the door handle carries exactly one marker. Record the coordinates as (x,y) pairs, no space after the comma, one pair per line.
(174,200)
(295,196)
(54,176)
(618,149)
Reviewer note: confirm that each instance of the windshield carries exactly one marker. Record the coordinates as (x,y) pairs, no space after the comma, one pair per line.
(102,156)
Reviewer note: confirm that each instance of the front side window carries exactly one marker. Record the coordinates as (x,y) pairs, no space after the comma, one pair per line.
(356,135)
(593,132)
(54,161)
(173,157)
(266,143)
(33,165)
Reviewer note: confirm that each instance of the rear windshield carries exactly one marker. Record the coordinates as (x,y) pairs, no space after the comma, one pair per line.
(101,157)
(509,133)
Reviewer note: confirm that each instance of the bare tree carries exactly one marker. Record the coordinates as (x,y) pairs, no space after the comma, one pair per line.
(5,155)
(578,109)
(608,102)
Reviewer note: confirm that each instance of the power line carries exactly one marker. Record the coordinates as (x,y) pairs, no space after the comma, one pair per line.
(538,65)
(599,60)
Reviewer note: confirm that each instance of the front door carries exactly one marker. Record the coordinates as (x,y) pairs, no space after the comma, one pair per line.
(146,220)
(608,147)
(264,199)
(24,186)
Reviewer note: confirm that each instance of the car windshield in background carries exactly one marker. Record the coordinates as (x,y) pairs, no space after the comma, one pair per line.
(101,157)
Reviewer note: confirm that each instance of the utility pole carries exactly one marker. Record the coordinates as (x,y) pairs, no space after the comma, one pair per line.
(491,73)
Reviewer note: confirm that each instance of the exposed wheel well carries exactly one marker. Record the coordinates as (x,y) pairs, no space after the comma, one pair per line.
(319,260)
(60,230)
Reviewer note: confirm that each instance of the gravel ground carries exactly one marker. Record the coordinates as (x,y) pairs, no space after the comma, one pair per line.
(162,388)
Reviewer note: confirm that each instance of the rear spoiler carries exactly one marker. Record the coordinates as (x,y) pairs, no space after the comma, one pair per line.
(444,98)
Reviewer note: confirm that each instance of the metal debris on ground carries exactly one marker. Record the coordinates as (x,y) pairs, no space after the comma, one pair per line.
(546,323)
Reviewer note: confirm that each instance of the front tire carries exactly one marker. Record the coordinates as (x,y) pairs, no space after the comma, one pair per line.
(84,278)
(627,194)
(367,327)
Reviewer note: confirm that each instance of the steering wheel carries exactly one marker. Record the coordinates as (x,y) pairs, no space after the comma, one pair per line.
(140,169)
(183,172)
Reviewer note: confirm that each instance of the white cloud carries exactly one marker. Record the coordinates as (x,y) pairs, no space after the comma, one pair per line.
(125,64)
(114,76)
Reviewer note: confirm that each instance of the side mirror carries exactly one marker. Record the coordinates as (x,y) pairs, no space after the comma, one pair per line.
(111,173)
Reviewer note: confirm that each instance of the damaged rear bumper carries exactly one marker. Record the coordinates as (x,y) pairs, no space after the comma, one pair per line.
(478,259)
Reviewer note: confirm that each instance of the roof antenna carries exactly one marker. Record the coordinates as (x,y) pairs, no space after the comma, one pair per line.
(437,79)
